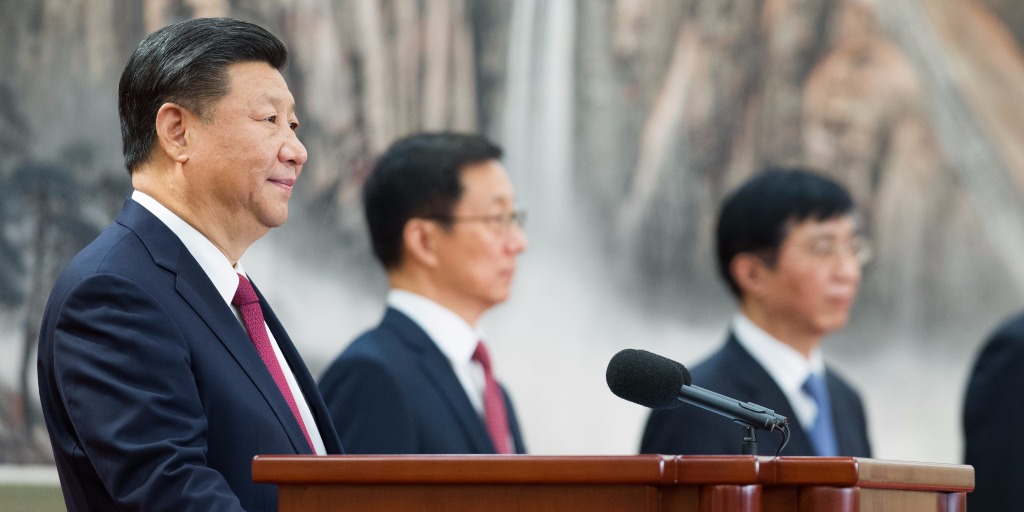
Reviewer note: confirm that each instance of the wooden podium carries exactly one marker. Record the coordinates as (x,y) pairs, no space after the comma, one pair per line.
(642,483)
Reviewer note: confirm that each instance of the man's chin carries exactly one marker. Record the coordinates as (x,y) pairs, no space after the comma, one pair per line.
(275,220)
(498,298)
(835,324)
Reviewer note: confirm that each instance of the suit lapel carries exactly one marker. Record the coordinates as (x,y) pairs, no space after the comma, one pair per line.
(842,410)
(305,380)
(199,292)
(195,287)
(439,372)
(513,424)
(758,387)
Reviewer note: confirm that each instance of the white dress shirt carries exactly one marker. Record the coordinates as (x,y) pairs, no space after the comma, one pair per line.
(225,279)
(786,366)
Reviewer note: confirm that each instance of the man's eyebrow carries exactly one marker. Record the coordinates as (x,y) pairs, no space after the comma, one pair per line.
(278,100)
(503,198)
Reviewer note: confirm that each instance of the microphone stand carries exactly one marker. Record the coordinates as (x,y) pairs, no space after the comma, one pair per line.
(749,446)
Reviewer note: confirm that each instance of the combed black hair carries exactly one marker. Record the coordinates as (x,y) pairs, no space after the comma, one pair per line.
(418,176)
(185,63)
(755,216)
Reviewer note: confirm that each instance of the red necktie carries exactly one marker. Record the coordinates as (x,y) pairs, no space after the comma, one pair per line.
(494,404)
(249,304)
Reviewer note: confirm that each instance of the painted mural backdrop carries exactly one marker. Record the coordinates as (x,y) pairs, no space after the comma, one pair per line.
(624,122)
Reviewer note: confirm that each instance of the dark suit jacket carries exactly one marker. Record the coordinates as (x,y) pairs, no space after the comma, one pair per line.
(392,391)
(732,371)
(992,416)
(153,395)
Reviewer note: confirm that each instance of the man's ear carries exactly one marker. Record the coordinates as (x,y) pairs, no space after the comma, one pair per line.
(172,122)
(419,241)
(750,273)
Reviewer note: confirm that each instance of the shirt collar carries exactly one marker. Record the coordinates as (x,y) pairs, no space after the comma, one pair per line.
(213,262)
(787,367)
(456,339)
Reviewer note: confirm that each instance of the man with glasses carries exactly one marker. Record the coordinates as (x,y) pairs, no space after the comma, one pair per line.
(443,222)
(790,252)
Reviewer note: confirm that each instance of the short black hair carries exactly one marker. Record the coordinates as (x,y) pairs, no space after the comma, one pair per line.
(418,176)
(755,216)
(185,63)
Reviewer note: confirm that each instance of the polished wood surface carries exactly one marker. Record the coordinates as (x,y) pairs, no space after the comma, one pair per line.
(648,483)
(868,473)
(438,469)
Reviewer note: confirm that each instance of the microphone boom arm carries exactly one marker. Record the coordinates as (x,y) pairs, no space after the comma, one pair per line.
(743,412)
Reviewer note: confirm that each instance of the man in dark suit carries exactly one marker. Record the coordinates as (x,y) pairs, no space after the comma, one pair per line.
(441,215)
(162,371)
(789,250)
(990,418)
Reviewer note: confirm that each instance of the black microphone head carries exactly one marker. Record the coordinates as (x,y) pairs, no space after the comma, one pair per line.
(646,378)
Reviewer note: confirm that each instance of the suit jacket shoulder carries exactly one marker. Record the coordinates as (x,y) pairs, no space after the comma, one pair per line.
(393,391)
(987,421)
(733,372)
(134,324)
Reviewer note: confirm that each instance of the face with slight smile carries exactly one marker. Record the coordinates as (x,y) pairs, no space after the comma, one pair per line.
(245,157)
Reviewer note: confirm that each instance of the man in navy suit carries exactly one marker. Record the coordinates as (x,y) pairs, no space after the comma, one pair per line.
(442,219)
(990,417)
(156,389)
(789,249)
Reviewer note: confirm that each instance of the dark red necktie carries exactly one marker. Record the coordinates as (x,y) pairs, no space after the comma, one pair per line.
(494,404)
(249,304)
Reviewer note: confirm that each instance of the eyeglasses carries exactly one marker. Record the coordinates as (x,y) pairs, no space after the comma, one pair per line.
(499,222)
(826,249)
(830,249)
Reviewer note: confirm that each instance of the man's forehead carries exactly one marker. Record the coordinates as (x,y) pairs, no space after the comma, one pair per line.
(487,198)
(840,224)
(260,77)
(486,182)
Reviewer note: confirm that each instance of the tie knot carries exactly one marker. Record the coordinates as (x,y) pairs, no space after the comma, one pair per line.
(481,356)
(816,387)
(244,294)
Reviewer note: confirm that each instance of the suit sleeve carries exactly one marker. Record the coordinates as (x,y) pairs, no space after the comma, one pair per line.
(369,409)
(123,373)
(991,421)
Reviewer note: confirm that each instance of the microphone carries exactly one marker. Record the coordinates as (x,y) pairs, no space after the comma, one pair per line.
(657,382)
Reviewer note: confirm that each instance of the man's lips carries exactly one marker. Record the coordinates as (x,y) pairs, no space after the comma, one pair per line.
(283,182)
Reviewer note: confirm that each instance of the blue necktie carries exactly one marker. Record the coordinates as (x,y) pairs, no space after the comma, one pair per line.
(822,433)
